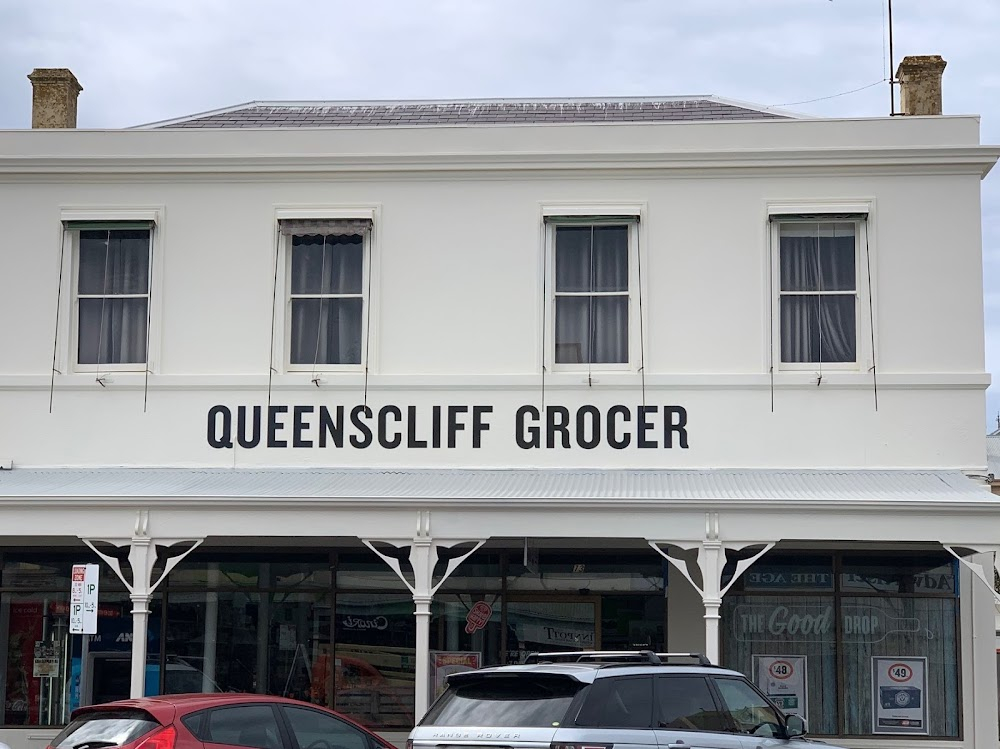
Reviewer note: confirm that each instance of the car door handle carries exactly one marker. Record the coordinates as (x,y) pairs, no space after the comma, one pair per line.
(678,745)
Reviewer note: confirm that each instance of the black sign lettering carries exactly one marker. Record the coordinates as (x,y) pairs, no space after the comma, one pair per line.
(241,427)
(613,439)
(675,419)
(557,422)
(299,425)
(527,436)
(328,426)
(273,425)
(478,425)
(411,429)
(554,427)
(454,426)
(389,443)
(584,415)
(436,426)
(365,440)
(645,426)
(220,427)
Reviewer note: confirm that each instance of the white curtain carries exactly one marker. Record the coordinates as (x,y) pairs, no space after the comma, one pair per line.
(591,327)
(814,327)
(327,307)
(113,283)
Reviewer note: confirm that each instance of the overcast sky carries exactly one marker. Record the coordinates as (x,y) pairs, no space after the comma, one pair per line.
(146,60)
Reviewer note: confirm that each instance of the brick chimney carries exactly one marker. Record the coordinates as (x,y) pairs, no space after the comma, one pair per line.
(920,84)
(53,101)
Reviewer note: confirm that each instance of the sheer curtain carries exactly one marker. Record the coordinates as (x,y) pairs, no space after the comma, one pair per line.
(113,290)
(818,327)
(327,304)
(591,294)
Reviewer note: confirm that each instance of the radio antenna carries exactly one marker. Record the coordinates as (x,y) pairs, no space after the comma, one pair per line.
(892,72)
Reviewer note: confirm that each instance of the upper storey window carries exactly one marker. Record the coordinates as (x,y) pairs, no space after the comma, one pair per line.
(593,297)
(818,301)
(327,270)
(111,294)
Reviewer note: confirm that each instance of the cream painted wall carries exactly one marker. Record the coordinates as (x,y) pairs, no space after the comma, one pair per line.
(457,279)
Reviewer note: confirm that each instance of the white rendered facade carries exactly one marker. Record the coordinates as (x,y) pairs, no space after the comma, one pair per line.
(458,286)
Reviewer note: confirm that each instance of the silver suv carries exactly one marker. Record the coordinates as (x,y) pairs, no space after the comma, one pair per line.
(605,700)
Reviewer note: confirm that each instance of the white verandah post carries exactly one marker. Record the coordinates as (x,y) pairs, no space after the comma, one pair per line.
(142,559)
(423,556)
(711,563)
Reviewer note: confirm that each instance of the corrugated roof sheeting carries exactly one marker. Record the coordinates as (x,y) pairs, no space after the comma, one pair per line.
(993,454)
(387,114)
(347,483)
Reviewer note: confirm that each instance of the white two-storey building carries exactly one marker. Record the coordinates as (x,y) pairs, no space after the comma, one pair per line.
(345,396)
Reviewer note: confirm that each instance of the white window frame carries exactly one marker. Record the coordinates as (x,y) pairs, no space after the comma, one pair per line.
(604,215)
(863,258)
(282,344)
(67,349)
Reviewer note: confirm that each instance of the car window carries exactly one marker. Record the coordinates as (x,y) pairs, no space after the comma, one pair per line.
(242,725)
(619,702)
(105,727)
(685,703)
(751,712)
(521,701)
(315,730)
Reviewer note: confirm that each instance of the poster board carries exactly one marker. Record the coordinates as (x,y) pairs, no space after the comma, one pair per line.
(899,696)
(46,662)
(783,678)
(447,662)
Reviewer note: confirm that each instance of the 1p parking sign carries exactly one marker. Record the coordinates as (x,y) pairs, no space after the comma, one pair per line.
(899,696)
(83,598)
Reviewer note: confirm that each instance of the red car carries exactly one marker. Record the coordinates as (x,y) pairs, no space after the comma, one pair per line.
(207,721)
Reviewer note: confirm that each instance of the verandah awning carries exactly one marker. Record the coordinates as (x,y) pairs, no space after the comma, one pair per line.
(718,486)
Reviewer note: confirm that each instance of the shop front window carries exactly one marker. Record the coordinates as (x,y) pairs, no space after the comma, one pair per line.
(840,619)
(375,660)
(261,627)
(46,671)
(465,635)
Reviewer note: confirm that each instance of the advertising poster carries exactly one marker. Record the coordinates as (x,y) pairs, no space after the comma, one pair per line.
(22,696)
(783,679)
(444,663)
(46,661)
(899,695)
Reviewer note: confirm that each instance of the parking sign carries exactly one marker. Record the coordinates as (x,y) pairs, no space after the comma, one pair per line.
(83,599)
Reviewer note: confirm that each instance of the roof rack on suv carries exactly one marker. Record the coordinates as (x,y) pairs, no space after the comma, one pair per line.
(700,657)
(647,657)
(611,656)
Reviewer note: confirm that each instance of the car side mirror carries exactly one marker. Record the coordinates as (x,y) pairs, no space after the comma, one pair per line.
(795,725)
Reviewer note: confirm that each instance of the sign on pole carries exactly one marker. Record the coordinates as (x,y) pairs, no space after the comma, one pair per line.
(83,600)
(899,695)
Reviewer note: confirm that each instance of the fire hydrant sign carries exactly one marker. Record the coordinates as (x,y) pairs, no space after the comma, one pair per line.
(783,679)
(899,695)
(83,600)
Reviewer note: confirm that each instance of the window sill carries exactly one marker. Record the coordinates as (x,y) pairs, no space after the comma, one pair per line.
(511,381)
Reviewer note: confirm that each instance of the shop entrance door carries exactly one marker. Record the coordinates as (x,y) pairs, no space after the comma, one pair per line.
(552,623)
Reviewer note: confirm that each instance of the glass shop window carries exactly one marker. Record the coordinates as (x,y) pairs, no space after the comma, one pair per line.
(882,606)
(375,659)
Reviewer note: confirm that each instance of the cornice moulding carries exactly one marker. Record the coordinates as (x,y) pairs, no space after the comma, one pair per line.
(964,159)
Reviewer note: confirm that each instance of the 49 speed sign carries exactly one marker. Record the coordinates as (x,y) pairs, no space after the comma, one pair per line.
(783,679)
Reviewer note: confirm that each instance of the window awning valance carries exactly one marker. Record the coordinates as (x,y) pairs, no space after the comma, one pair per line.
(595,219)
(108,225)
(814,217)
(297,227)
